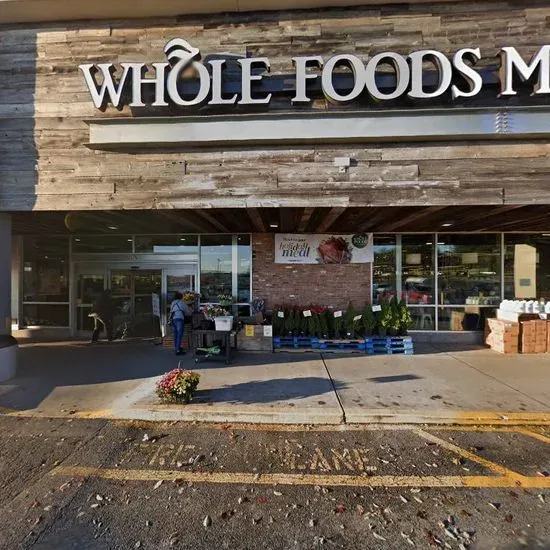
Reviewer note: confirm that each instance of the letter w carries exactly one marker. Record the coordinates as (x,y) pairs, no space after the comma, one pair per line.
(108,90)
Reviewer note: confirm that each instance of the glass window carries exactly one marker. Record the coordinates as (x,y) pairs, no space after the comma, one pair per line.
(243,260)
(167,244)
(469,270)
(527,267)
(45,315)
(418,281)
(46,269)
(469,318)
(384,269)
(101,244)
(216,266)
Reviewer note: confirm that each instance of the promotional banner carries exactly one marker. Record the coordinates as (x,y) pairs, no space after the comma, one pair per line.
(323,249)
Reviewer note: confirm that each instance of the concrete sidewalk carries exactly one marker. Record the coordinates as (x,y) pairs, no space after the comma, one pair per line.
(441,386)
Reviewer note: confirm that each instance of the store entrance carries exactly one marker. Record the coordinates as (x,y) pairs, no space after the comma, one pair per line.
(132,293)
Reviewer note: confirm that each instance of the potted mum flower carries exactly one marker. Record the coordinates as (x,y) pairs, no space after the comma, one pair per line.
(177,386)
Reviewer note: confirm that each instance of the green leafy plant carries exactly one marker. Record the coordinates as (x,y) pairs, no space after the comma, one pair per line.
(368,320)
(405,318)
(384,319)
(349,323)
(395,322)
(324,325)
(289,323)
(304,325)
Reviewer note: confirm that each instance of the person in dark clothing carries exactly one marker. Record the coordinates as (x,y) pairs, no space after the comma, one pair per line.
(102,312)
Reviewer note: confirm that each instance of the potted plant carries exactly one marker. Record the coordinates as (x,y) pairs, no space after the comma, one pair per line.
(290,323)
(225,300)
(384,319)
(395,323)
(368,320)
(324,325)
(191,298)
(405,318)
(222,319)
(177,386)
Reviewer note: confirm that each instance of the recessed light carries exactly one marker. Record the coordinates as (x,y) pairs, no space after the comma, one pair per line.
(112,227)
(129,240)
(274,225)
(429,243)
(77,240)
(446,225)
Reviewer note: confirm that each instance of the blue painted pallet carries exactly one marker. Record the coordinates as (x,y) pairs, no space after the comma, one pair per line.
(387,351)
(343,346)
(389,346)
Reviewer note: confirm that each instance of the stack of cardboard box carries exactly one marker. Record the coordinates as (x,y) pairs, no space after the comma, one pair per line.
(533,336)
(502,336)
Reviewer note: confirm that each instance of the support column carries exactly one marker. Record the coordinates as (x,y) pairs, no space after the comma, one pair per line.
(8,345)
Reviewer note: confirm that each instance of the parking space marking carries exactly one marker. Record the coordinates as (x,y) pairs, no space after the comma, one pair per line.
(492,466)
(535,435)
(504,482)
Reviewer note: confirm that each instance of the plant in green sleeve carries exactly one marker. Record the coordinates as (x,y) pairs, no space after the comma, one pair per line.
(349,323)
(368,320)
(405,318)
(324,325)
(384,319)
(289,323)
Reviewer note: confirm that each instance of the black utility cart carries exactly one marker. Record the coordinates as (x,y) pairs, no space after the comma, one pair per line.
(204,340)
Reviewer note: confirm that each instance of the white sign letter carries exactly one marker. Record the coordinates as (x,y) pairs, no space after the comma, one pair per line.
(300,63)
(511,59)
(247,77)
(138,78)
(108,91)
(444,68)
(358,68)
(472,77)
(217,99)
(402,74)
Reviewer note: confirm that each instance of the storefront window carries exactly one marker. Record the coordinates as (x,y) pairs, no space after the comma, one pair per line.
(46,281)
(243,260)
(216,266)
(469,270)
(45,315)
(469,318)
(167,244)
(418,281)
(102,244)
(527,267)
(384,268)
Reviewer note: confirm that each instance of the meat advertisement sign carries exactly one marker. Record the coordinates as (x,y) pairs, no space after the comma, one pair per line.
(323,249)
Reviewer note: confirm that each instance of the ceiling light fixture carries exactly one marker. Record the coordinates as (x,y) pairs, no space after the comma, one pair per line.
(446,224)
(274,225)
(112,227)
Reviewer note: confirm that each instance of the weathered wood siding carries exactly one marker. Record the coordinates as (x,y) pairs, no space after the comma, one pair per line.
(45,164)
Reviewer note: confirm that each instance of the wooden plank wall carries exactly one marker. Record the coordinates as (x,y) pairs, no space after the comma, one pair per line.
(45,165)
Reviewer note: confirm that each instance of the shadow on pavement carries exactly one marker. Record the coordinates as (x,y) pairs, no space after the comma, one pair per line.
(269,391)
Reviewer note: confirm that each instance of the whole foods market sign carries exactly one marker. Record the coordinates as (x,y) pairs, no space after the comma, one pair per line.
(324,249)
(185,81)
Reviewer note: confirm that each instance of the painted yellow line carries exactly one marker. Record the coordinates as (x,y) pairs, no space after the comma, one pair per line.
(300,479)
(492,466)
(532,434)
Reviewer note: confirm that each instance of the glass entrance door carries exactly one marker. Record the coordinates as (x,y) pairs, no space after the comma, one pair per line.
(181,279)
(89,288)
(133,304)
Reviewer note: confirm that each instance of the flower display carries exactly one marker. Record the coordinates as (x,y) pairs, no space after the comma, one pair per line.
(177,386)
(210,312)
(191,298)
(225,300)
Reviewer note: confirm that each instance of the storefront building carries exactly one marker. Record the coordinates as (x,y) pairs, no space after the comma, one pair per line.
(145,150)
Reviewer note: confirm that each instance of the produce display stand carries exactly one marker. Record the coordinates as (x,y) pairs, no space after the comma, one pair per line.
(206,339)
